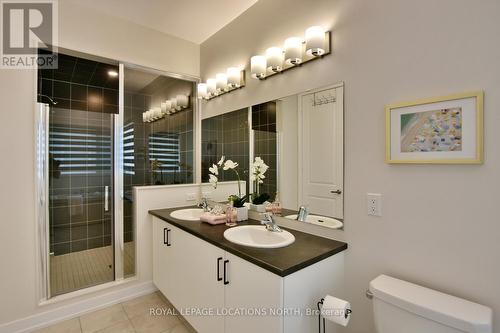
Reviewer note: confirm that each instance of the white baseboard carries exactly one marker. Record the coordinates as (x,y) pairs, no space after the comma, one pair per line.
(78,308)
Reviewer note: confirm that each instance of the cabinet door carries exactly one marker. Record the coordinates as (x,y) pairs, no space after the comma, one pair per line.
(194,286)
(161,254)
(250,287)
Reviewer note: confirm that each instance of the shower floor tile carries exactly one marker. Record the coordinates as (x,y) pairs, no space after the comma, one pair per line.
(77,270)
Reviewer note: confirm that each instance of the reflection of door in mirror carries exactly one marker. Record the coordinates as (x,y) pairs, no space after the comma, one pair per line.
(321,151)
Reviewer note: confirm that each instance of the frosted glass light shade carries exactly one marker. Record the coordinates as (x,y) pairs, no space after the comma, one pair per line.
(174,104)
(157,112)
(163,107)
(315,41)
(233,77)
(182,101)
(202,90)
(212,87)
(221,82)
(274,57)
(168,106)
(293,50)
(258,66)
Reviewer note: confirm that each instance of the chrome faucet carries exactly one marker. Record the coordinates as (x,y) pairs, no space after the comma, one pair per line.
(204,204)
(302,214)
(269,222)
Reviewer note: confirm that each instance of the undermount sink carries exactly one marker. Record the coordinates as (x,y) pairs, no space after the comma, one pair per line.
(189,214)
(258,236)
(320,220)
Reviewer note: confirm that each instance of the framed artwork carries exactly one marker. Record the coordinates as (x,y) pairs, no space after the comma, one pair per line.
(441,130)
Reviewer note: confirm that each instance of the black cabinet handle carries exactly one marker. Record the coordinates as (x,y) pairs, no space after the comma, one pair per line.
(166,236)
(336,192)
(226,281)
(219,278)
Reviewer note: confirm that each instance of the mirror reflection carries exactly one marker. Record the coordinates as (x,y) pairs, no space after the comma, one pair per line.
(288,153)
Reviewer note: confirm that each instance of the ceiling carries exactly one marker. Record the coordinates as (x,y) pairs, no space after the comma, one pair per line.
(192,20)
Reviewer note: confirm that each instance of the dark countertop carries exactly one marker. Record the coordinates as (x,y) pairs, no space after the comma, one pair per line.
(305,251)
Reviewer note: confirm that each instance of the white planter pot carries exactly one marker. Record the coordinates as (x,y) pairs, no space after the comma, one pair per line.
(258,208)
(242,213)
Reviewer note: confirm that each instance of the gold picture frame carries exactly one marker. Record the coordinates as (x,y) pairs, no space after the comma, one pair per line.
(438,130)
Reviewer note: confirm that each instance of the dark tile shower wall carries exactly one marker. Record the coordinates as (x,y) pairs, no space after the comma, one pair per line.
(139,136)
(265,143)
(227,135)
(80,152)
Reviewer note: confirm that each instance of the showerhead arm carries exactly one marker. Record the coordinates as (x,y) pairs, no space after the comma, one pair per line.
(50,99)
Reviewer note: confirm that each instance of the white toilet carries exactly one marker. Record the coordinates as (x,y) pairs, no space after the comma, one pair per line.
(403,307)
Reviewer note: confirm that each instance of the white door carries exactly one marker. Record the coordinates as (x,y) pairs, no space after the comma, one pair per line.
(251,288)
(321,145)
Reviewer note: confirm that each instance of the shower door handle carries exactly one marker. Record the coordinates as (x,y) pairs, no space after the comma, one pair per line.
(106,198)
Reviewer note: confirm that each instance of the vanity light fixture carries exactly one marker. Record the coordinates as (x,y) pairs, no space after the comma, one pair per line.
(274,58)
(233,79)
(202,90)
(182,101)
(258,66)
(293,50)
(315,41)
(212,88)
(167,107)
(297,51)
(221,82)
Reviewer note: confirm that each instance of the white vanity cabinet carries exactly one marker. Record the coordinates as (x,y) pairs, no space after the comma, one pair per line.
(194,274)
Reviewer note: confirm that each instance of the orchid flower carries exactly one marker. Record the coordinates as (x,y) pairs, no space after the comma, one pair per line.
(230,165)
(213,180)
(214,169)
(221,161)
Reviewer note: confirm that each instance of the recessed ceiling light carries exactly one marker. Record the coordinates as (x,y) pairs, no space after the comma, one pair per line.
(112,73)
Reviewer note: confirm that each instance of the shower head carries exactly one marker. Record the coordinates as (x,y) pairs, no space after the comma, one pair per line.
(50,99)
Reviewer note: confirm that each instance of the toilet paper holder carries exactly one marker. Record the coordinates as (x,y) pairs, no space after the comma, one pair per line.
(320,303)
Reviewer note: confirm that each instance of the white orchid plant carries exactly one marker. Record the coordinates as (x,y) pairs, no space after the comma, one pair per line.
(257,176)
(238,200)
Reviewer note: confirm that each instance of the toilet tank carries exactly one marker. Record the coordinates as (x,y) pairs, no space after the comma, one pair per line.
(400,306)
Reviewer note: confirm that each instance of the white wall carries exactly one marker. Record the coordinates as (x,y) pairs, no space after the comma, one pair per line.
(440,226)
(83,30)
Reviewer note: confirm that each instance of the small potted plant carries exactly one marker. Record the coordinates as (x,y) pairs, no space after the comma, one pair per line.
(237,201)
(259,168)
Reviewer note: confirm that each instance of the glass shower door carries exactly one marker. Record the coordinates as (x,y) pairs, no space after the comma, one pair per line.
(80,172)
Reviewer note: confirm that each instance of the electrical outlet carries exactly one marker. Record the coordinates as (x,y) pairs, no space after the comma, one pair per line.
(374,204)
(191,197)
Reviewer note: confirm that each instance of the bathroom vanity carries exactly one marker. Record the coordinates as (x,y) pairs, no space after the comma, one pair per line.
(219,286)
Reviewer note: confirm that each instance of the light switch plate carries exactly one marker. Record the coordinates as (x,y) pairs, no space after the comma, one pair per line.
(207,194)
(191,197)
(374,204)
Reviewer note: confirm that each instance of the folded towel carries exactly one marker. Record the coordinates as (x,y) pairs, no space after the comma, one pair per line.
(213,218)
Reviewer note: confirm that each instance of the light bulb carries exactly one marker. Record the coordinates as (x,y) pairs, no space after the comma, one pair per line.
(221,82)
(212,87)
(274,56)
(202,90)
(258,66)
(315,41)
(233,77)
(182,101)
(174,104)
(293,50)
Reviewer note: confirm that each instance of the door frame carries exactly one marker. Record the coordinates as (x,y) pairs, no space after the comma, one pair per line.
(339,98)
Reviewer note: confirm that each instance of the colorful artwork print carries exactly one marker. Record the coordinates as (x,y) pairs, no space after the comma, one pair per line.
(432,131)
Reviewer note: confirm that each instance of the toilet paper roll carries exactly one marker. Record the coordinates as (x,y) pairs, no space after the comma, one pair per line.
(336,310)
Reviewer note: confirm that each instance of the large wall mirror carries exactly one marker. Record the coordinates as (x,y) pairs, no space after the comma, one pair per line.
(300,138)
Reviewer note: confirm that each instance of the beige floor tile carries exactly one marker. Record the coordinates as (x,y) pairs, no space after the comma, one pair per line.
(67,326)
(104,318)
(143,304)
(121,327)
(154,324)
(181,329)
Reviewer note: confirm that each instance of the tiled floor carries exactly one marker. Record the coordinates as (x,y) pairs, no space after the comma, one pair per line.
(77,270)
(128,317)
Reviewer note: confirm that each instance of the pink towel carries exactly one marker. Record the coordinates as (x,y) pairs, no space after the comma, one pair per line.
(213,219)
